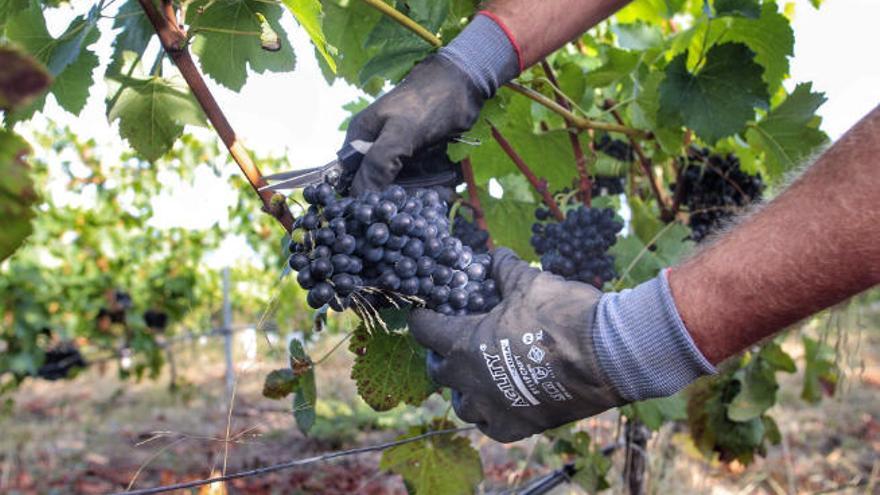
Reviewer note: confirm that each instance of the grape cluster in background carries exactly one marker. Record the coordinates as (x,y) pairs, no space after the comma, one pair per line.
(714,189)
(347,251)
(577,247)
(470,234)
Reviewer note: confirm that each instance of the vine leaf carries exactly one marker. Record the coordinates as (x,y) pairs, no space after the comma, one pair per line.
(280,383)
(399,48)
(790,132)
(507,219)
(346,27)
(592,467)
(654,412)
(136,31)
(21,78)
(305,392)
(67,57)
(757,383)
(227,39)
(636,263)
(720,97)
(389,367)
(770,36)
(152,113)
(438,464)
(820,373)
(745,8)
(16,193)
(304,400)
(308,14)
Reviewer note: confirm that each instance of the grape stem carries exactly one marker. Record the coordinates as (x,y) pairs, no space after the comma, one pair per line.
(540,185)
(474,199)
(174,42)
(580,160)
(433,40)
(644,161)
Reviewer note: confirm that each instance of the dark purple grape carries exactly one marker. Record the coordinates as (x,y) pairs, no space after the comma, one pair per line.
(476,271)
(426,285)
(405,267)
(355,265)
(385,211)
(409,286)
(396,242)
(396,195)
(325,237)
(476,302)
(401,223)
(310,194)
(378,234)
(459,279)
(414,248)
(340,263)
(389,281)
(320,295)
(310,221)
(442,275)
(364,214)
(345,244)
(320,252)
(344,284)
(439,294)
(321,268)
(425,266)
(391,256)
(458,298)
(299,261)
(304,279)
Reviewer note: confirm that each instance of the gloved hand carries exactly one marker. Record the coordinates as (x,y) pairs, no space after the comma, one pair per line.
(435,102)
(526,366)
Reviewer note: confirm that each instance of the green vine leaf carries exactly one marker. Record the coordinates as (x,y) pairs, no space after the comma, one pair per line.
(304,400)
(439,464)
(308,14)
(769,36)
(398,48)
(152,113)
(346,27)
(280,383)
(790,132)
(745,8)
(507,219)
(227,39)
(17,194)
(66,57)
(389,366)
(720,97)
(655,412)
(821,373)
(592,467)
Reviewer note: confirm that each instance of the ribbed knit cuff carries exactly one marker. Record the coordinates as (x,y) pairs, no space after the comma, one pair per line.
(485,53)
(642,344)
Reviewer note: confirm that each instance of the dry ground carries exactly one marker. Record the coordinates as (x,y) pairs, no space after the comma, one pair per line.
(96,434)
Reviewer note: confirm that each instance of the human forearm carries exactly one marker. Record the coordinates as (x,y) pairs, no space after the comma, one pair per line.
(541,27)
(815,245)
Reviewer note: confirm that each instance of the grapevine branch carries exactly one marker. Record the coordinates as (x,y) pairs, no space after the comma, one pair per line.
(643,161)
(431,38)
(579,160)
(294,463)
(174,43)
(474,198)
(540,185)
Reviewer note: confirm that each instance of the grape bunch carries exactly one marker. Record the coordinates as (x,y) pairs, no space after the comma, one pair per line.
(576,248)
(714,189)
(348,250)
(615,148)
(611,186)
(470,234)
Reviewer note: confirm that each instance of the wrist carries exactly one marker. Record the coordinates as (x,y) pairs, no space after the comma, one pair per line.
(642,345)
(486,52)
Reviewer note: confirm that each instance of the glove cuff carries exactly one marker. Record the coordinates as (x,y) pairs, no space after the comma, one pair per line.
(485,52)
(642,344)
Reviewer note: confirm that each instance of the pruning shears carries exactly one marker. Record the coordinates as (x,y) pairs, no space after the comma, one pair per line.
(334,172)
(427,169)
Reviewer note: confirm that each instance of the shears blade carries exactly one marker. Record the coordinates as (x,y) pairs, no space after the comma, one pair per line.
(348,156)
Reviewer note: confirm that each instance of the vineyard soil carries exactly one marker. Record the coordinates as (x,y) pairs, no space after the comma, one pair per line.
(82,436)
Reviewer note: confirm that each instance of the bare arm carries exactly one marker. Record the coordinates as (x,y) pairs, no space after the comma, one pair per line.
(815,245)
(542,26)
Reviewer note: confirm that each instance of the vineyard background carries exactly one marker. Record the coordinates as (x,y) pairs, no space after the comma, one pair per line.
(120,231)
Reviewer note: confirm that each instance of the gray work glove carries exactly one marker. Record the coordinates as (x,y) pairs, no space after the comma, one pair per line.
(435,102)
(526,366)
